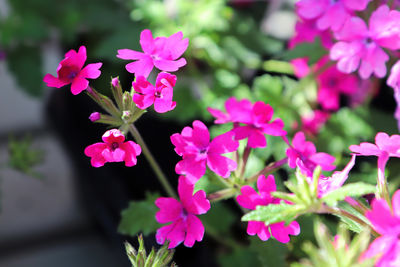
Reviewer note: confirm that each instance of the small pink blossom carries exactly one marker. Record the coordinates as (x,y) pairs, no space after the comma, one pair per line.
(95,116)
(313,124)
(250,199)
(332,83)
(305,152)
(329,14)
(115,82)
(70,71)
(306,31)
(194,145)
(185,226)
(161,94)
(252,121)
(161,52)
(394,82)
(383,148)
(387,223)
(114,149)
(361,47)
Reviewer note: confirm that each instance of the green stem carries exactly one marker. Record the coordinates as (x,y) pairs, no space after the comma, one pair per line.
(268,169)
(222,194)
(153,163)
(246,155)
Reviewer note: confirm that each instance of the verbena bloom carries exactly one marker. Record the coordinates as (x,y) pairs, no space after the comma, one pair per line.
(194,145)
(312,124)
(361,47)
(306,31)
(161,94)
(328,184)
(95,116)
(250,199)
(251,121)
(331,84)
(305,152)
(113,149)
(328,13)
(71,71)
(185,226)
(383,148)
(386,222)
(161,52)
(394,82)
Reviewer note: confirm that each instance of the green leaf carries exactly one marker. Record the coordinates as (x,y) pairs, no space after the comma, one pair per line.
(273,213)
(220,217)
(139,217)
(271,253)
(25,64)
(239,258)
(314,51)
(349,190)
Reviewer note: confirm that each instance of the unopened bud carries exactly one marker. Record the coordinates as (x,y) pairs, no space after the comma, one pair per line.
(126,116)
(95,116)
(117,91)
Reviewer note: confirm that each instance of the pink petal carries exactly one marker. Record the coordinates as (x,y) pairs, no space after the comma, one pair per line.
(256,139)
(194,232)
(199,203)
(275,128)
(142,67)
(162,105)
(170,209)
(169,65)
(379,246)
(357,5)
(266,185)
(176,46)
(223,143)
(165,80)
(396,203)
(348,55)
(147,41)
(382,219)
(91,71)
(324,160)
(113,136)
(129,54)
(143,101)
(310,9)
(221,165)
(52,81)
(95,152)
(200,134)
(174,232)
(132,150)
(78,85)
(80,57)
(220,116)
(259,228)
(117,155)
(282,232)
(365,149)
(249,198)
(333,18)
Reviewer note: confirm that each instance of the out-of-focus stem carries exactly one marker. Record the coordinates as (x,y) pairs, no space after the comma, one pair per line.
(268,169)
(246,154)
(153,163)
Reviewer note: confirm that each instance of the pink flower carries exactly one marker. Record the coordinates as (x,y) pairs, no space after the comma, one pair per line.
(185,226)
(387,223)
(312,124)
(305,152)
(361,47)
(250,199)
(161,52)
(329,14)
(306,31)
(194,145)
(394,82)
(384,148)
(328,184)
(70,71)
(114,149)
(161,94)
(251,121)
(332,83)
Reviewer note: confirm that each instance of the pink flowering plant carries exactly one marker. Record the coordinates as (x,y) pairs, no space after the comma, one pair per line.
(238,158)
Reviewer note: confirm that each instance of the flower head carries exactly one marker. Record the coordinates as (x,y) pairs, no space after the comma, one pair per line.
(113,149)
(303,154)
(312,124)
(185,226)
(194,145)
(161,52)
(387,223)
(250,199)
(159,95)
(71,71)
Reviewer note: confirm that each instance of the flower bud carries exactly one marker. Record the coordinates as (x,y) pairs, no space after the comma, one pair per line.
(117,91)
(95,116)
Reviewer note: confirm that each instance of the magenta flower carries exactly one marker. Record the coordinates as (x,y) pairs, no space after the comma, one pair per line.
(70,71)
(161,94)
(329,14)
(194,145)
(161,52)
(305,152)
(394,82)
(185,226)
(114,149)
(361,47)
(250,199)
(313,124)
(332,83)
(306,31)
(95,116)
(387,223)
(384,148)
(251,121)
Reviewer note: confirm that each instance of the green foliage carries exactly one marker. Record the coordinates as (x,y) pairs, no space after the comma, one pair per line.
(139,217)
(139,258)
(335,252)
(348,190)
(314,51)
(23,157)
(220,217)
